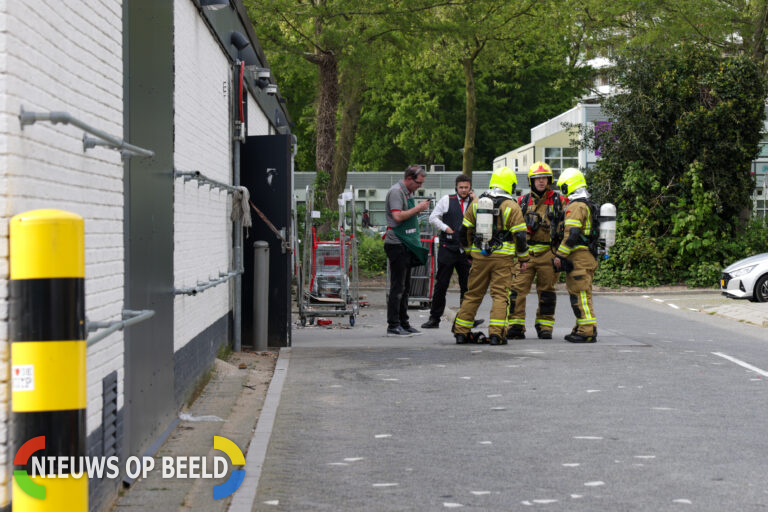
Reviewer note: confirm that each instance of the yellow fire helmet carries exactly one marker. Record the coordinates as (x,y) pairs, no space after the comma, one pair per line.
(539,170)
(571,180)
(505,179)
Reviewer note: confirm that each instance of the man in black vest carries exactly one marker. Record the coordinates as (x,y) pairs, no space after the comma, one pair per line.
(447,217)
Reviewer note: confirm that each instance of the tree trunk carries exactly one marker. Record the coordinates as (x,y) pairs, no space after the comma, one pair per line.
(352,89)
(326,108)
(471,117)
(759,37)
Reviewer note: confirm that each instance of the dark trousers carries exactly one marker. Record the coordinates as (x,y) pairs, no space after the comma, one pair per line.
(399,284)
(448,259)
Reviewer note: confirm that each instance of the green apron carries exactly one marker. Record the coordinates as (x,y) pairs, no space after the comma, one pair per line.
(408,233)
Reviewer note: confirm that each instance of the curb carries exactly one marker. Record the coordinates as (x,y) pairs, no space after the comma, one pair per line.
(244,500)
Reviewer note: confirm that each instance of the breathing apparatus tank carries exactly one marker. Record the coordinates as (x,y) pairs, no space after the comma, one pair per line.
(484,222)
(607,227)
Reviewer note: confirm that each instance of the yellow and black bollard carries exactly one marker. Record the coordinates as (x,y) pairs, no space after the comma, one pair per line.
(48,351)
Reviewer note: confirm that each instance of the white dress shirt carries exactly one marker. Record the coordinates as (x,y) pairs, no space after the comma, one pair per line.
(435,218)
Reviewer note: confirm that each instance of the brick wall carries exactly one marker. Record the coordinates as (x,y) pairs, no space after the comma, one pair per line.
(258,124)
(80,71)
(202,238)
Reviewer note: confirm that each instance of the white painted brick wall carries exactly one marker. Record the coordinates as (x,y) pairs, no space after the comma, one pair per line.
(258,124)
(202,237)
(64,56)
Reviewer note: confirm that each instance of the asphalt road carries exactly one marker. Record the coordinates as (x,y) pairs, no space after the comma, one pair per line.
(659,415)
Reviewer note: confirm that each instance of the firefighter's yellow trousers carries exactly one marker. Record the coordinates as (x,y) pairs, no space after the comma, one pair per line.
(494,271)
(539,268)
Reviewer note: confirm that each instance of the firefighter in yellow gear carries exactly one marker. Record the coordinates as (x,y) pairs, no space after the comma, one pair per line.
(575,254)
(542,210)
(493,236)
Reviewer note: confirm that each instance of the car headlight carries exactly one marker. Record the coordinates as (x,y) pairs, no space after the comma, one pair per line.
(742,271)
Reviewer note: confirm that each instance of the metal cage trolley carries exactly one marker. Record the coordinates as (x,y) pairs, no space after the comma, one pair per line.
(328,281)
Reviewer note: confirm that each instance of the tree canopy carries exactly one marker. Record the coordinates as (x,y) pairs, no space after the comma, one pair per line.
(676,161)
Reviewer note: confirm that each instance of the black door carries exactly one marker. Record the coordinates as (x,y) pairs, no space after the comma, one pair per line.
(265,169)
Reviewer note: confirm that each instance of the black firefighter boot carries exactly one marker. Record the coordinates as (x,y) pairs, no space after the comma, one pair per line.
(516,332)
(495,339)
(544,334)
(580,338)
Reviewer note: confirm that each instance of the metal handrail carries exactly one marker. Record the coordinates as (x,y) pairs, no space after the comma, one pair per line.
(223,278)
(130,317)
(203,179)
(112,142)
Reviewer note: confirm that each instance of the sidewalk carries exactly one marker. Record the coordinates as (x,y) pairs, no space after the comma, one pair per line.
(229,406)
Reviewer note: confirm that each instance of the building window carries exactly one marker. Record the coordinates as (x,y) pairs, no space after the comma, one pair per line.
(378,212)
(561,158)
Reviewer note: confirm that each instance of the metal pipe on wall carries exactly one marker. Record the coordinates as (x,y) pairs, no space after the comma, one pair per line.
(237,341)
(237,138)
(260,294)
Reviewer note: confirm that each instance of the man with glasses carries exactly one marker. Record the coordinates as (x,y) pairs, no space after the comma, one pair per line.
(403,247)
(447,218)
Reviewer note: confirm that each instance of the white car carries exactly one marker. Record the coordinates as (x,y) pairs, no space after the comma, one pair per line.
(747,279)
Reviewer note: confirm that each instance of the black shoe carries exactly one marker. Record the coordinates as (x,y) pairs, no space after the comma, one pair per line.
(431,324)
(578,338)
(544,334)
(477,337)
(461,339)
(515,332)
(413,331)
(495,339)
(478,322)
(399,332)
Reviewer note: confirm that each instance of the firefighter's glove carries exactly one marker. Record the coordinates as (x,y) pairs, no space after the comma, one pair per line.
(562,264)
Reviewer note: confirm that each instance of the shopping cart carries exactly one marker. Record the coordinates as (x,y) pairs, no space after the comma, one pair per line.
(329,284)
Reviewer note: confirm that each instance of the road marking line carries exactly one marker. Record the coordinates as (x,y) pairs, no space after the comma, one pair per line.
(741,363)
(658,300)
(673,306)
